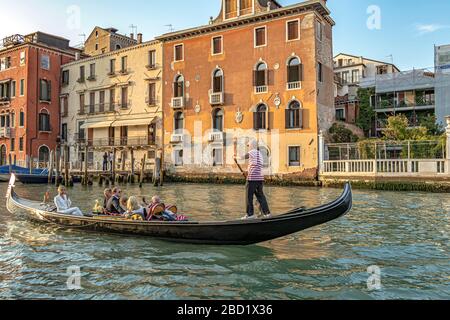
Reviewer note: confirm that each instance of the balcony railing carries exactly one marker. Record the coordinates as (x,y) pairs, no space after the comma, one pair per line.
(261,89)
(178,102)
(151,101)
(176,138)
(388,104)
(122,142)
(216,98)
(5,132)
(5,100)
(216,137)
(98,108)
(294,85)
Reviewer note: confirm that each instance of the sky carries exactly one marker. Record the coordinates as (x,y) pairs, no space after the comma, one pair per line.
(399,31)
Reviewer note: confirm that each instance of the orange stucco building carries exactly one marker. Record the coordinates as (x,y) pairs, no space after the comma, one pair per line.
(259,70)
(29,95)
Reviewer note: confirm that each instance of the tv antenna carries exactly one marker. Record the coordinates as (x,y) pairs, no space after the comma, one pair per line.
(133,29)
(84,37)
(170,26)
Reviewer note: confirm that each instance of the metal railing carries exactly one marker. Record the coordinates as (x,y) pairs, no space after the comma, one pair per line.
(98,108)
(216,98)
(178,102)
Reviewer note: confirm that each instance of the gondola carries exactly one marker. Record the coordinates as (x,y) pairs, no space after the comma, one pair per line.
(211,233)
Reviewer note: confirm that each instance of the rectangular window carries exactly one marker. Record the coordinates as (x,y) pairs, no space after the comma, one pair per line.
(13,89)
(294,156)
(319,30)
(44,122)
(102,101)
(81,111)
(22,58)
(82,74)
(92,102)
(178,158)
(5,63)
(65,106)
(217,45)
(22,87)
(340,114)
(81,131)
(124,102)
(217,155)
(45,62)
(13,120)
(152,94)
(179,54)
(293,30)
(20,144)
(112,66)
(64,132)
(345,77)
(21,119)
(355,76)
(319,72)
(45,90)
(65,77)
(124,64)
(13,144)
(112,99)
(260,37)
(92,71)
(152,59)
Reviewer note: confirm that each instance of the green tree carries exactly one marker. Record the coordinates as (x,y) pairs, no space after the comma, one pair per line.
(340,134)
(366,115)
(430,122)
(398,129)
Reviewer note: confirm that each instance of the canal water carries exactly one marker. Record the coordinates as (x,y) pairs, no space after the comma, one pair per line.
(401,238)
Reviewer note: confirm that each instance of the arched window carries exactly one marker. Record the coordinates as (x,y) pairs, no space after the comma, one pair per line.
(13,119)
(294,116)
(217,81)
(259,117)
(44,154)
(294,71)
(3,155)
(178,87)
(2,119)
(179,121)
(44,121)
(118,47)
(218,120)
(261,75)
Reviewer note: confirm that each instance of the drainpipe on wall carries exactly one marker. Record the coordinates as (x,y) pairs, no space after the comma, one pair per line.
(37,105)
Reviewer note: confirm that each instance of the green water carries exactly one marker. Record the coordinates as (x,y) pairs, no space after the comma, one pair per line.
(406,235)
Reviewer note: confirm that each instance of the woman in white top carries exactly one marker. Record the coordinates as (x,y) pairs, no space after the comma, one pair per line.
(63,203)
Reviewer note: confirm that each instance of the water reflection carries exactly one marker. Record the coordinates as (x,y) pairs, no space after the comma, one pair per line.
(405,234)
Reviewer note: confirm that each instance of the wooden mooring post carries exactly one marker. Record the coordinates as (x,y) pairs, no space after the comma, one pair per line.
(85,174)
(50,167)
(113,169)
(141,176)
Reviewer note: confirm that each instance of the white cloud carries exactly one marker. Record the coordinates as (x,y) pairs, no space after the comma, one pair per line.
(423,29)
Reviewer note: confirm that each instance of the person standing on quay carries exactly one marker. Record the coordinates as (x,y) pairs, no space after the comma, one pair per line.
(255,182)
(105,162)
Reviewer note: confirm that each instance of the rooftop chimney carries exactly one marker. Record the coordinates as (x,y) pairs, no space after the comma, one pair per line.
(139,38)
(132,36)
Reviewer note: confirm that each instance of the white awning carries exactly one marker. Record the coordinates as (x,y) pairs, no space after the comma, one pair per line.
(132,122)
(96,125)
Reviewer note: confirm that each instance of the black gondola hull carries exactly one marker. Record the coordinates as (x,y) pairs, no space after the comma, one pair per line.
(213,233)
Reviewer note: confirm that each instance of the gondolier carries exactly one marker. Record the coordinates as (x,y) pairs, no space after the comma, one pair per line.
(255,182)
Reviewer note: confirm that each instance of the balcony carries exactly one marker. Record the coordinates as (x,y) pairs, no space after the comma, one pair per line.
(124,71)
(122,142)
(92,78)
(216,137)
(176,138)
(112,74)
(294,85)
(216,98)
(100,108)
(5,100)
(81,80)
(5,133)
(261,89)
(178,102)
(151,101)
(80,138)
(153,66)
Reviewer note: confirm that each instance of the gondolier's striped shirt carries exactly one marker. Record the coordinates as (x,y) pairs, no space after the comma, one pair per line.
(255,166)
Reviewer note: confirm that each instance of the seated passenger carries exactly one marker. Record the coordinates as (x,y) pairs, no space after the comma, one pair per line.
(108,194)
(124,202)
(113,206)
(159,211)
(134,208)
(63,203)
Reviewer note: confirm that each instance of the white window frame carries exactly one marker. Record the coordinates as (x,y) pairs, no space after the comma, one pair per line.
(212,45)
(42,59)
(287,30)
(343,109)
(175,51)
(13,93)
(254,36)
(23,58)
(22,88)
(300,156)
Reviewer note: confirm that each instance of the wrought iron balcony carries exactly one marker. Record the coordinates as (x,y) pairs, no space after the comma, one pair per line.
(178,102)
(216,98)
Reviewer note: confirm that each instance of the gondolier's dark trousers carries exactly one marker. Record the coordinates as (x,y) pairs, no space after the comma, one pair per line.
(256,188)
